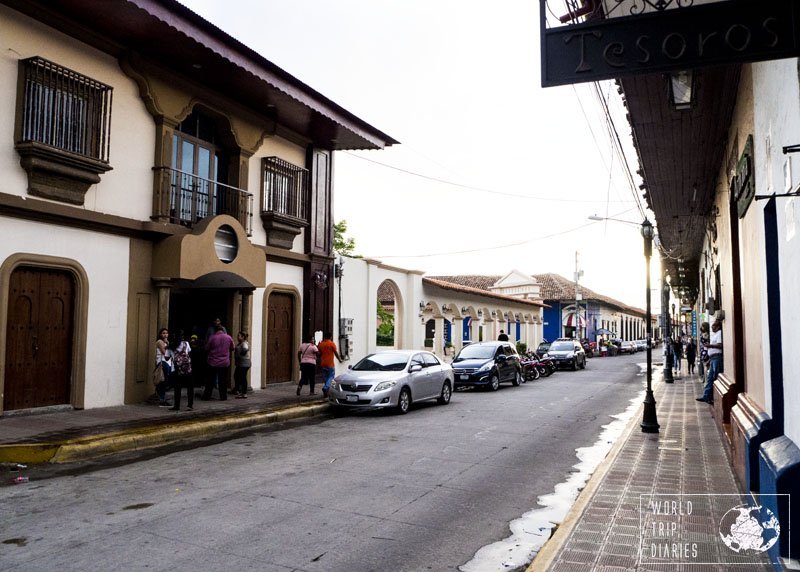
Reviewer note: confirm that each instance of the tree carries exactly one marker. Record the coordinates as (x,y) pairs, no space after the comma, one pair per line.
(342,244)
(385,332)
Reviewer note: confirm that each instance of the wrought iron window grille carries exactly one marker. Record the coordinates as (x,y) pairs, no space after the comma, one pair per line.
(285,188)
(64,110)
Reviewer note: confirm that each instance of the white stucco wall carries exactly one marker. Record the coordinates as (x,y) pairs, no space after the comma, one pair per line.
(127,190)
(105,260)
(777,116)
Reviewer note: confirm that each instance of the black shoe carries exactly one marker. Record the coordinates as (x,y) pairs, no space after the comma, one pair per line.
(700,399)
(164,404)
(174,409)
(710,402)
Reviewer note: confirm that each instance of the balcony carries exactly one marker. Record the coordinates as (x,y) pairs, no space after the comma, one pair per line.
(285,188)
(183,198)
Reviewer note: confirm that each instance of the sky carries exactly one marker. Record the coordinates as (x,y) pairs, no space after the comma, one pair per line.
(493,172)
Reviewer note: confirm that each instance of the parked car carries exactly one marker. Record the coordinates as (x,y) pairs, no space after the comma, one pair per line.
(392,379)
(641,345)
(487,364)
(627,347)
(542,348)
(566,352)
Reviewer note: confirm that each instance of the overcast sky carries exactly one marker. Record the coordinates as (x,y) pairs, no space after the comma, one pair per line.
(493,172)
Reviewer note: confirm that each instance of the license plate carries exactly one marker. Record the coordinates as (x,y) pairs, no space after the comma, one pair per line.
(351,397)
(464,376)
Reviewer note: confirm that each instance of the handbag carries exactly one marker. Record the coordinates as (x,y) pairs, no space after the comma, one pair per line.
(158,375)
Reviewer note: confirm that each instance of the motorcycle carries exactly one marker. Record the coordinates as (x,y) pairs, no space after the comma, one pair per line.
(537,367)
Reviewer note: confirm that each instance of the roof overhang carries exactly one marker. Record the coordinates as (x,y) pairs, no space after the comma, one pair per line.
(175,38)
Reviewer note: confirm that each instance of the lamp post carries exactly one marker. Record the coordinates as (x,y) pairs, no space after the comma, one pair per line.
(649,418)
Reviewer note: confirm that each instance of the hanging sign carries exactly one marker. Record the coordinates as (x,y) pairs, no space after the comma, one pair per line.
(675,39)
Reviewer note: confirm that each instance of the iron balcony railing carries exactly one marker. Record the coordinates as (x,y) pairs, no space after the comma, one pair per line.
(285,187)
(184,198)
(64,109)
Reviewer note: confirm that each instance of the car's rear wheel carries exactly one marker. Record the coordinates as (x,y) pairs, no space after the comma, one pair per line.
(494,382)
(517,378)
(444,397)
(404,401)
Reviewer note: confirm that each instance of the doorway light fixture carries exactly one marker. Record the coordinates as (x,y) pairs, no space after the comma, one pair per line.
(681,89)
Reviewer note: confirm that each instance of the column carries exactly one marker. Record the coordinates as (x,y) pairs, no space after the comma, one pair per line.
(247,310)
(457,334)
(474,323)
(163,287)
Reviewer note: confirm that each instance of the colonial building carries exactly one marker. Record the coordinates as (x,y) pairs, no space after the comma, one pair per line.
(156,173)
(595,312)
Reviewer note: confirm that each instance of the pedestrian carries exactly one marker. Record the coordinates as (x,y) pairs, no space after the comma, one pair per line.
(307,355)
(327,351)
(199,363)
(242,361)
(703,349)
(714,348)
(677,354)
(503,337)
(691,355)
(182,376)
(218,356)
(212,329)
(164,361)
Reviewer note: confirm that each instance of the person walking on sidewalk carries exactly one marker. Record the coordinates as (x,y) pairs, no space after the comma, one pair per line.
(714,361)
(164,361)
(242,360)
(691,354)
(327,351)
(219,348)
(677,354)
(183,374)
(307,356)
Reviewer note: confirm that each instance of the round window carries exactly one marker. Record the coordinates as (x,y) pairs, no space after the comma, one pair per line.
(226,244)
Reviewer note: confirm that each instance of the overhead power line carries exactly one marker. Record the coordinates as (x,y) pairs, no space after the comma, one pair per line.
(473,188)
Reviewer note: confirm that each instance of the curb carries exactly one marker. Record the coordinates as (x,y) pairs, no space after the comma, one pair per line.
(85,448)
(547,554)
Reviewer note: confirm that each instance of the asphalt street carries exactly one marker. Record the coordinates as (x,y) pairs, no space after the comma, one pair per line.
(424,491)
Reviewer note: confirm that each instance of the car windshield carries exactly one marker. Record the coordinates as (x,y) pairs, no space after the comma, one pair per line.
(382,362)
(476,351)
(561,346)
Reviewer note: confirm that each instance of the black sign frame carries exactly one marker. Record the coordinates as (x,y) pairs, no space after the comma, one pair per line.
(678,39)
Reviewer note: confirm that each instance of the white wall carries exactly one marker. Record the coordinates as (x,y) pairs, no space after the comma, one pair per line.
(777,115)
(105,260)
(127,190)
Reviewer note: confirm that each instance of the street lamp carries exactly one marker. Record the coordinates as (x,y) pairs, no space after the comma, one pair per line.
(649,418)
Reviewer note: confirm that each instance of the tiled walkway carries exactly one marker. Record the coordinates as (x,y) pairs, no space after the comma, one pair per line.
(682,471)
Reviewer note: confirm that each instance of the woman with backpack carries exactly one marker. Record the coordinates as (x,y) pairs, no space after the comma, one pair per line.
(183,374)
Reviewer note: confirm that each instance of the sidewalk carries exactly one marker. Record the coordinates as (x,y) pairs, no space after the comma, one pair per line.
(614,527)
(75,435)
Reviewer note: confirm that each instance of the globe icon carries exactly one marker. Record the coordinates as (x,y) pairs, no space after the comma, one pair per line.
(746,529)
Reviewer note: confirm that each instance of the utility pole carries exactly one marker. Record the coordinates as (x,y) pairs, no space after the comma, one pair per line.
(578,274)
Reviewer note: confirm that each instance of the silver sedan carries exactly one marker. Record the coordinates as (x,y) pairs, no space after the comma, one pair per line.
(392,379)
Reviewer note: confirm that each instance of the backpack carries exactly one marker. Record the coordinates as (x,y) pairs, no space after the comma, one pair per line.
(183,363)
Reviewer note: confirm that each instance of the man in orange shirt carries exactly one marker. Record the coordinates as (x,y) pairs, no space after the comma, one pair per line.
(327,351)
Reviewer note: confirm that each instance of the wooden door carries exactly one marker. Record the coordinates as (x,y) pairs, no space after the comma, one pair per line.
(280,334)
(39,334)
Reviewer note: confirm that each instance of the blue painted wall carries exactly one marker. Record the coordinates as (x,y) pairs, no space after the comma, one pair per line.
(552,319)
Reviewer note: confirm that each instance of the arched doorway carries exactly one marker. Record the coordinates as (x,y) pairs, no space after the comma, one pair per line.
(386,311)
(39,338)
(280,346)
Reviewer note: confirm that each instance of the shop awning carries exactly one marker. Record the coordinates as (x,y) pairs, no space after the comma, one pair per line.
(573,319)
